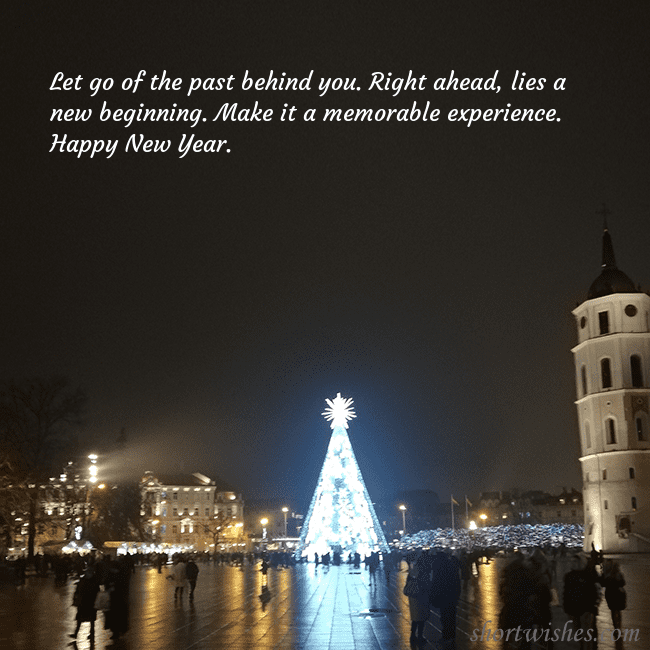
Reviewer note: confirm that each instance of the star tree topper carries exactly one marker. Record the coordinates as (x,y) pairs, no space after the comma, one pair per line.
(339,410)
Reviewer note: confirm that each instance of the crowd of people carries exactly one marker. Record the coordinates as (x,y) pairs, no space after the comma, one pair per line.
(529,584)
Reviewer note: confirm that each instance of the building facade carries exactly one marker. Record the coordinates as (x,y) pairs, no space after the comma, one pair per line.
(531,507)
(612,362)
(192,513)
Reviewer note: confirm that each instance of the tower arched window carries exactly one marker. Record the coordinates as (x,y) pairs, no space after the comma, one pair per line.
(606,373)
(583,377)
(633,503)
(640,428)
(610,431)
(636,370)
(587,436)
(603,322)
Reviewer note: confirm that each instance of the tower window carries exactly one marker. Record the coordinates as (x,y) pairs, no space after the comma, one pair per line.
(583,377)
(606,373)
(605,504)
(587,436)
(603,321)
(610,427)
(604,475)
(633,503)
(631,472)
(639,430)
(635,367)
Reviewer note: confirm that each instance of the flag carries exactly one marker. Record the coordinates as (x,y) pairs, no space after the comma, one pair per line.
(469,503)
(454,501)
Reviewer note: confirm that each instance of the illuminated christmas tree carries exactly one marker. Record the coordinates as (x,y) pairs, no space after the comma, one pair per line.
(341,517)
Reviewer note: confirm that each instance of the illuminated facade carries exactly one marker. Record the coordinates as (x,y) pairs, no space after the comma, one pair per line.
(341,517)
(192,512)
(612,361)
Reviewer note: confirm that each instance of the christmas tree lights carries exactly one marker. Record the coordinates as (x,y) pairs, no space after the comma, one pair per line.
(341,517)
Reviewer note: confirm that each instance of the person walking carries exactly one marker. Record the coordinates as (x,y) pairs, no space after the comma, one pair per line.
(581,599)
(179,575)
(84,601)
(417,588)
(192,572)
(615,596)
(445,593)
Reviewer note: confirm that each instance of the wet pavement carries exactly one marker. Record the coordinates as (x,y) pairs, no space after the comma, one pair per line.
(309,608)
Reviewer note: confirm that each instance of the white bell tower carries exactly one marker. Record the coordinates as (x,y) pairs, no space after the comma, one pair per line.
(612,361)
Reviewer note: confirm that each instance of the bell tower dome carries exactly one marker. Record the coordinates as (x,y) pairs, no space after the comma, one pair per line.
(612,361)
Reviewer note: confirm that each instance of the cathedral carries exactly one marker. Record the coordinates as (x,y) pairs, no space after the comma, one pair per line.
(612,361)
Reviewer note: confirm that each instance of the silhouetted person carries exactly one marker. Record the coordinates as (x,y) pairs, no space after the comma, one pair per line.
(615,596)
(84,601)
(192,572)
(419,578)
(444,594)
(581,598)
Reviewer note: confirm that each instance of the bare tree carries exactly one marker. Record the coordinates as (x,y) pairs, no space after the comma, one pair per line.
(36,420)
(217,527)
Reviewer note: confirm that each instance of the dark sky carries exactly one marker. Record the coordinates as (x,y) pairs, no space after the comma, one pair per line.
(210,304)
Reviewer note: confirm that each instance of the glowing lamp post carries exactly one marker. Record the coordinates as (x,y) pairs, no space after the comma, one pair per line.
(285,510)
(264,521)
(483,517)
(92,478)
(403,509)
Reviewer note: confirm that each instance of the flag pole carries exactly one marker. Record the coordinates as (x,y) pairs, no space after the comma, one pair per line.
(466,513)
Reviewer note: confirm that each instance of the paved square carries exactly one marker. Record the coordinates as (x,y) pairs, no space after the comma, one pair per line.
(311,608)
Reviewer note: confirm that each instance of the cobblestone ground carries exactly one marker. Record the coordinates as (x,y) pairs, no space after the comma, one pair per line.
(310,608)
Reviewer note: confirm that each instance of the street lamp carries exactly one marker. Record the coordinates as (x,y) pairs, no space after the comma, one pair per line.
(285,510)
(264,522)
(403,509)
(483,517)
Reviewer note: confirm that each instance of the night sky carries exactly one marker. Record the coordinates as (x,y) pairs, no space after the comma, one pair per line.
(209,304)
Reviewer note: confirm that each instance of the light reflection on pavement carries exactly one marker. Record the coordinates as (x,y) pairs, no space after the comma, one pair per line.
(305,608)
